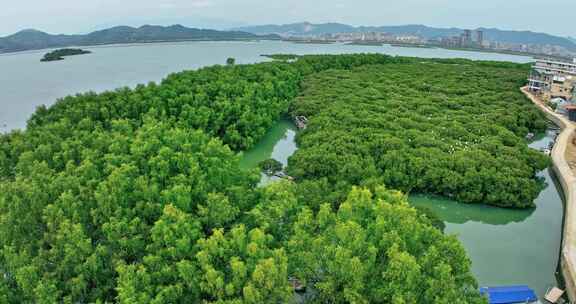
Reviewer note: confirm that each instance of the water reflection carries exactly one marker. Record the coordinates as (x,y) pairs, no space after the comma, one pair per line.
(506,246)
(543,141)
(459,213)
(278,143)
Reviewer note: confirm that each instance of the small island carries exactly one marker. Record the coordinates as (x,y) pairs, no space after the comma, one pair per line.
(61,53)
(282,57)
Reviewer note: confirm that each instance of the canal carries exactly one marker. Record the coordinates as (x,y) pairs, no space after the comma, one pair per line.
(506,246)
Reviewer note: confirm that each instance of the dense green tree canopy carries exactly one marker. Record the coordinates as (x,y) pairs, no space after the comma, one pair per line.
(136,195)
(375,249)
(270,166)
(145,194)
(447,127)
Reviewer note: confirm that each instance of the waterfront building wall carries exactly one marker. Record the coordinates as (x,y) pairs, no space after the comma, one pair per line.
(552,78)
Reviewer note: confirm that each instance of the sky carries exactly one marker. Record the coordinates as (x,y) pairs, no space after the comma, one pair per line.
(81,16)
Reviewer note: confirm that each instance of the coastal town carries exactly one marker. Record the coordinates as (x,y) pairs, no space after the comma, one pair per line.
(554,81)
(468,39)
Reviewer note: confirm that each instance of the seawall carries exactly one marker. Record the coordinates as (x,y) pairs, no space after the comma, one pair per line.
(568,183)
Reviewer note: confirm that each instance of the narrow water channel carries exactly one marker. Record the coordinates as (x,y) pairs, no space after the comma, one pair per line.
(278,143)
(506,246)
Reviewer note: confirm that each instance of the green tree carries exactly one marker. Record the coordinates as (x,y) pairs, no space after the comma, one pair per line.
(375,249)
(419,126)
(136,195)
(270,166)
(241,265)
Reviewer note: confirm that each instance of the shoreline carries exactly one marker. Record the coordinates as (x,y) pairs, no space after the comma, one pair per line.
(138,43)
(161,42)
(504,52)
(567,180)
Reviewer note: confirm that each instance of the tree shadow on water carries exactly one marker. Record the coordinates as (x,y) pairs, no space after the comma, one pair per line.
(459,213)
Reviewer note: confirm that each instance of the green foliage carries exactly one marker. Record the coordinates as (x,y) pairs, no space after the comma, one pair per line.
(270,166)
(242,265)
(136,195)
(61,53)
(448,127)
(230,61)
(373,249)
(430,215)
(234,103)
(553,106)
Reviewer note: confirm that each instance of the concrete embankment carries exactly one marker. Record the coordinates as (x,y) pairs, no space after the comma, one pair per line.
(568,181)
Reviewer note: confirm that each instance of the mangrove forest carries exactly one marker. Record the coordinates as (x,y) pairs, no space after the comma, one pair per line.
(136,195)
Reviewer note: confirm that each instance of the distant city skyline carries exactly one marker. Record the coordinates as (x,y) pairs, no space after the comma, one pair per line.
(72,16)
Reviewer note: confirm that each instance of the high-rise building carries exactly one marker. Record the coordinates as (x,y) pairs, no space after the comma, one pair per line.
(479,37)
(468,36)
(467,39)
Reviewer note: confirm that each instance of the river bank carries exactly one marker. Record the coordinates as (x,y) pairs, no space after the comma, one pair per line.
(567,180)
(509,246)
(506,246)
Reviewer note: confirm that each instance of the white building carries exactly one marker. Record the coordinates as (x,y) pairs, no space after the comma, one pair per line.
(553,78)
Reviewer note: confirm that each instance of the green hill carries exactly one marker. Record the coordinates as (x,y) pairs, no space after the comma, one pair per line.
(34,39)
(306,28)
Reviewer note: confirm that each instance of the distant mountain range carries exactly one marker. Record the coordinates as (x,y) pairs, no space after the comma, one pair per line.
(308,29)
(34,39)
